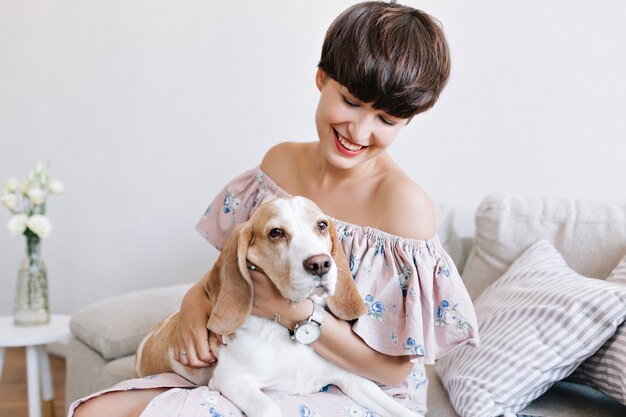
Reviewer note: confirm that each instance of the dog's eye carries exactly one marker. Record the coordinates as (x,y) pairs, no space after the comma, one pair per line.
(322,226)
(276,233)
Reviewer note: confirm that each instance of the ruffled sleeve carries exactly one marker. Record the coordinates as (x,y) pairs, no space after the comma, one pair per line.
(417,303)
(235,204)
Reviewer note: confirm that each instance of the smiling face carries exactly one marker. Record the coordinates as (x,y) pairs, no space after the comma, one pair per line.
(350,131)
(289,236)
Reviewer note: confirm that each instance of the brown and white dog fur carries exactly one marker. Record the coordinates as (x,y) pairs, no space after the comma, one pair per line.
(258,353)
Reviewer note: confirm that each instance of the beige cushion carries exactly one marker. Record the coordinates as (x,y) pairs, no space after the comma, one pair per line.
(115,326)
(591,236)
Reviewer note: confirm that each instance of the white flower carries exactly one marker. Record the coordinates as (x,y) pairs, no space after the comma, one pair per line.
(24,186)
(10,185)
(38,168)
(9,201)
(17,224)
(37,196)
(56,187)
(39,225)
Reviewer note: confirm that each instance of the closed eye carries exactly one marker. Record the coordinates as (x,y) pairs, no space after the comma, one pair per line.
(352,104)
(387,121)
(348,102)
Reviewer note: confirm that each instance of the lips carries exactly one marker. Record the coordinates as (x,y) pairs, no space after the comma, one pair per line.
(346,147)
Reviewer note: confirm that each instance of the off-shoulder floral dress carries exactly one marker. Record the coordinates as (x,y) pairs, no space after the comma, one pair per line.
(417,306)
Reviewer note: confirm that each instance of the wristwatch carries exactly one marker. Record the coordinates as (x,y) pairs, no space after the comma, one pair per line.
(309,330)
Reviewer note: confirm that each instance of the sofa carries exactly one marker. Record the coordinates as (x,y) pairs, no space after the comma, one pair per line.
(590,237)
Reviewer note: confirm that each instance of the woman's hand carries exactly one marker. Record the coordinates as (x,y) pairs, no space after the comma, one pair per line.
(192,344)
(270,304)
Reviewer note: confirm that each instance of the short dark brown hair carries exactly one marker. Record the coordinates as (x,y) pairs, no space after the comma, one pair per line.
(390,55)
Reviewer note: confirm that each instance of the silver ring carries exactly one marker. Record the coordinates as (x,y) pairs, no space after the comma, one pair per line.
(183,353)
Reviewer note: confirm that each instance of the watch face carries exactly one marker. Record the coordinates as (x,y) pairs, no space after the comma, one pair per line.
(307,333)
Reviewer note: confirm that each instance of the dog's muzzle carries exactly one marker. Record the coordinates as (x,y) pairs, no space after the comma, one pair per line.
(318,266)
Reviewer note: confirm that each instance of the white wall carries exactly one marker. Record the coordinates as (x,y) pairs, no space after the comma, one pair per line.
(146,108)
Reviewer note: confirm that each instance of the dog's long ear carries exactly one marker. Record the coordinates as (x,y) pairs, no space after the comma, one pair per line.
(229,286)
(346,303)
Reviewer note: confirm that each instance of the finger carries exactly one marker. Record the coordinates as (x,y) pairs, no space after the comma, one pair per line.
(192,357)
(179,347)
(201,345)
(211,359)
(181,355)
(203,350)
(213,356)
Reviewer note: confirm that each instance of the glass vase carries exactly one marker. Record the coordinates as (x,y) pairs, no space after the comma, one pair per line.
(31,306)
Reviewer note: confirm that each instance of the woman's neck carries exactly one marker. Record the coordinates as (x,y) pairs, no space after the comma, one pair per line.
(328,176)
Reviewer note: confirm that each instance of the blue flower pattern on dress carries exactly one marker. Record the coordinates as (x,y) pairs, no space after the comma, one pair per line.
(442,268)
(231,202)
(445,315)
(354,265)
(380,246)
(418,377)
(413,348)
(375,309)
(326,388)
(342,232)
(403,278)
(304,411)
(214,413)
(260,179)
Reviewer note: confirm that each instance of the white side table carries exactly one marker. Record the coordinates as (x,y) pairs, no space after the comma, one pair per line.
(34,339)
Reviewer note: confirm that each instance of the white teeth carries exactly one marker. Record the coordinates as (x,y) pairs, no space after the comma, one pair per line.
(347,144)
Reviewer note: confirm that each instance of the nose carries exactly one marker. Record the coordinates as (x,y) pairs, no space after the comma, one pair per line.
(361,129)
(317,265)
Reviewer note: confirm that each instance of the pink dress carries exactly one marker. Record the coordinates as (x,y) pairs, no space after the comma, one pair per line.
(417,306)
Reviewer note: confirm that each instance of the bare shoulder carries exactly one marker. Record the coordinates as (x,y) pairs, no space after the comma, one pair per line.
(405,208)
(278,160)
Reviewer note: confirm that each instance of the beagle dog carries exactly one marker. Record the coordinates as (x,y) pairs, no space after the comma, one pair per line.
(296,246)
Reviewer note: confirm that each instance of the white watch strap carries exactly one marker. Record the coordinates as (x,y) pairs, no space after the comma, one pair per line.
(318,314)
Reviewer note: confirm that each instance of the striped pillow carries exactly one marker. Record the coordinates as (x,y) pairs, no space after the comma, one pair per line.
(537,323)
(606,369)
(619,273)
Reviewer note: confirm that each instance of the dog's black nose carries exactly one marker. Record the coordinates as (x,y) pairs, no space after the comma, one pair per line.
(318,265)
